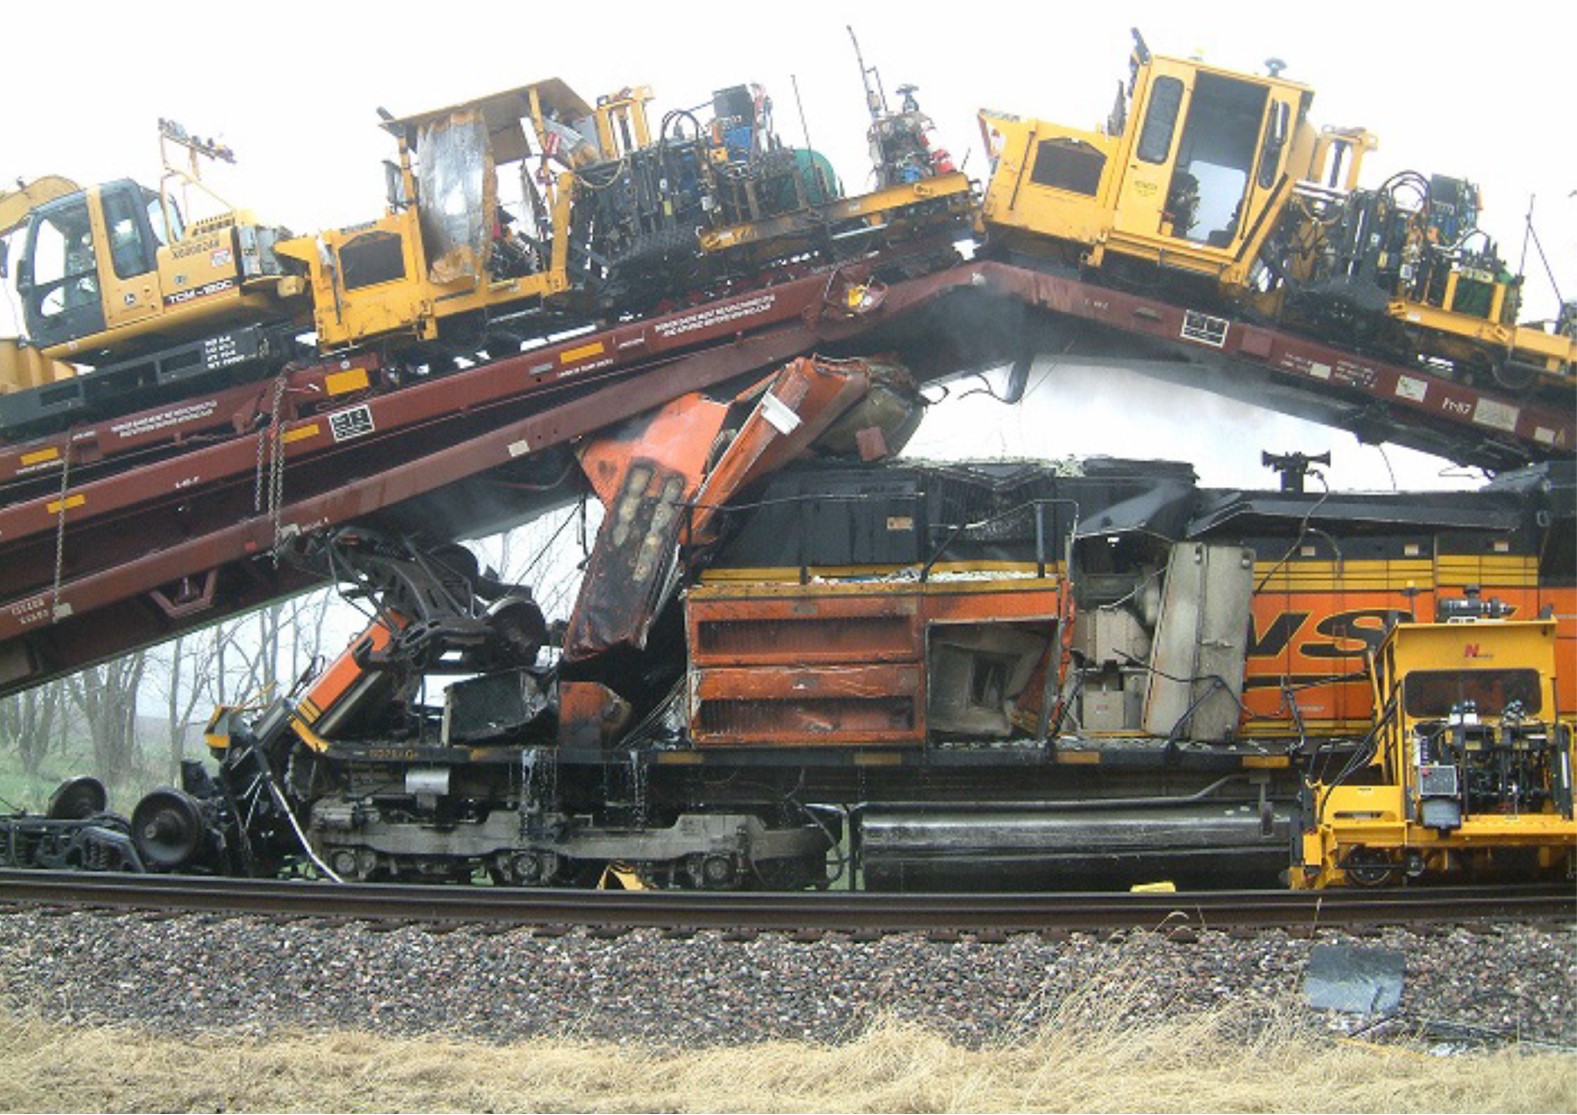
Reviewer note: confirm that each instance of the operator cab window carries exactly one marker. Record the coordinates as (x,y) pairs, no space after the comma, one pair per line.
(132,245)
(65,266)
(59,280)
(1214,160)
(164,234)
(1160,120)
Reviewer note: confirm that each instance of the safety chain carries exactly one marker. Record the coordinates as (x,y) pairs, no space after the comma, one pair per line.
(273,439)
(60,530)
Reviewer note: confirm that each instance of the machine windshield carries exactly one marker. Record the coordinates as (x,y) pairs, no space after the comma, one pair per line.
(1431,693)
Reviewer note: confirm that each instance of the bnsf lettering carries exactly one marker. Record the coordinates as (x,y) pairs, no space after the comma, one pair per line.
(1277,636)
(1352,633)
(1346,634)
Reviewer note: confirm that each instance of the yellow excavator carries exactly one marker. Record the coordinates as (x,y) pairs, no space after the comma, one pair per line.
(113,279)
(113,270)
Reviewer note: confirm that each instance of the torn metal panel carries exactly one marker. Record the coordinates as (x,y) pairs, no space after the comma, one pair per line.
(1196,674)
(632,564)
(976,673)
(804,398)
(459,195)
(853,663)
(590,714)
(1354,980)
(646,473)
(879,426)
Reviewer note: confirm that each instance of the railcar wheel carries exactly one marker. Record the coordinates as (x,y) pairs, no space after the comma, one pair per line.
(1369,867)
(526,869)
(712,872)
(77,799)
(167,828)
(1515,375)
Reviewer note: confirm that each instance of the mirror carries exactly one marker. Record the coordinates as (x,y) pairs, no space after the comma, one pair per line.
(394,185)
(1279,122)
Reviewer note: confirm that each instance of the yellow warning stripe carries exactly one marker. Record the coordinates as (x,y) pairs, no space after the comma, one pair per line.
(570,355)
(338,383)
(39,456)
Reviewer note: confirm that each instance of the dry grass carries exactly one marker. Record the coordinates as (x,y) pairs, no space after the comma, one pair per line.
(1077,1062)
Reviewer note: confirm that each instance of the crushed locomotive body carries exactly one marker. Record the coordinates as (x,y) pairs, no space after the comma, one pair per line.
(964,675)
(796,657)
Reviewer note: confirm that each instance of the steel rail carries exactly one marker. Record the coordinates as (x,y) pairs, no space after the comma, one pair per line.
(833,911)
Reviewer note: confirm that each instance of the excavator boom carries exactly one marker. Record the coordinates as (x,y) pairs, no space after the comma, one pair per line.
(15,205)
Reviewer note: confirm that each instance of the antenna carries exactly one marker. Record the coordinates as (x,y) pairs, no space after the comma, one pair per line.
(875,98)
(1530,235)
(799,104)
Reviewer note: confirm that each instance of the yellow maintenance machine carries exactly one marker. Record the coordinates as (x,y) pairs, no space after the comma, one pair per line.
(533,201)
(1468,770)
(509,216)
(447,249)
(1214,184)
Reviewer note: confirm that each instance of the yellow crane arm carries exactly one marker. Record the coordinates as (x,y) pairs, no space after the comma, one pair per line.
(16,204)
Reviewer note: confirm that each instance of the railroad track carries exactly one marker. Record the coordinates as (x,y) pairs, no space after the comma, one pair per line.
(830,911)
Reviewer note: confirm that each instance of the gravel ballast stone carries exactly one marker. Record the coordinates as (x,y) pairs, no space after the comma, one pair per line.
(204,972)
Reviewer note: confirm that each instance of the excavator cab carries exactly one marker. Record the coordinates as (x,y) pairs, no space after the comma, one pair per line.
(68,291)
(1208,155)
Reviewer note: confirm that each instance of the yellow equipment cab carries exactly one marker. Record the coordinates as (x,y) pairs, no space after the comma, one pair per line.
(1468,771)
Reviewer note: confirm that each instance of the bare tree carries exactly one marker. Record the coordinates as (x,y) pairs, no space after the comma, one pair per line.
(308,619)
(107,696)
(188,674)
(27,721)
(544,555)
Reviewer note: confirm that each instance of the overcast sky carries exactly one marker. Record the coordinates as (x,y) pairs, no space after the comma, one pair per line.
(293,88)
